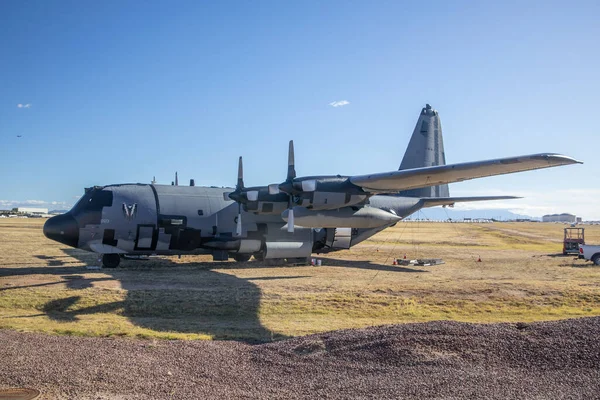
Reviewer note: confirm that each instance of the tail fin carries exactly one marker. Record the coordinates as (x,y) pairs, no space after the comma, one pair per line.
(426,149)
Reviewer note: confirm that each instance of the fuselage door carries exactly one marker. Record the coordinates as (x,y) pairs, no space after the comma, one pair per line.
(146,237)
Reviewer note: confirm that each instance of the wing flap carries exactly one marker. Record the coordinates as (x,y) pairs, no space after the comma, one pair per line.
(450,201)
(430,176)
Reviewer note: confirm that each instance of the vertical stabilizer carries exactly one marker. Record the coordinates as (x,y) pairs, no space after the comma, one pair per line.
(426,149)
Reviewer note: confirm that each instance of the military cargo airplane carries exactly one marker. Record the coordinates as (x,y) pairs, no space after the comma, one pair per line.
(288,220)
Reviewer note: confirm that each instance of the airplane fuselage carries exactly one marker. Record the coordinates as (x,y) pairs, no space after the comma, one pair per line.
(136,219)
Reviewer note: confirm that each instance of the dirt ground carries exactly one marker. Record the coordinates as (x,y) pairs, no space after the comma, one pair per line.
(434,360)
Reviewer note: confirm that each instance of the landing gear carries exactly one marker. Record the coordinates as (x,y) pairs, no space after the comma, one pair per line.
(241,257)
(260,256)
(111,260)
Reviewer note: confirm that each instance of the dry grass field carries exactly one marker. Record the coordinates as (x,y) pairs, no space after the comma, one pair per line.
(45,286)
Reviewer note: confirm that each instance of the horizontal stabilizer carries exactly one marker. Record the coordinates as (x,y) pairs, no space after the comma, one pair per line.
(395,181)
(450,201)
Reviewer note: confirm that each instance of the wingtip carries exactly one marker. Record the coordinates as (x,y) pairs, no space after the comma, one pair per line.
(559,158)
(570,160)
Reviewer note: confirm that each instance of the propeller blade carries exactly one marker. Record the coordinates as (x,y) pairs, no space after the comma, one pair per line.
(291,174)
(240,181)
(238,229)
(290,220)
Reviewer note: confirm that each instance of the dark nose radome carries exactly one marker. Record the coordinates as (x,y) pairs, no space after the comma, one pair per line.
(62,228)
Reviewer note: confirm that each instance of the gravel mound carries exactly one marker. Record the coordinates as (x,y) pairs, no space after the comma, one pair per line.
(447,360)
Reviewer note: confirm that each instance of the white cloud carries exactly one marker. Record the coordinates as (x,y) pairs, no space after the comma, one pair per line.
(340,103)
(9,204)
(23,105)
(34,202)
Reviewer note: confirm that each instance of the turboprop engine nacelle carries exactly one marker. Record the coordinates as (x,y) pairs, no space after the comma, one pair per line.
(365,217)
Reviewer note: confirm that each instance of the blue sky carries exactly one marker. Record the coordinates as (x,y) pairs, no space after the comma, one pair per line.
(114,92)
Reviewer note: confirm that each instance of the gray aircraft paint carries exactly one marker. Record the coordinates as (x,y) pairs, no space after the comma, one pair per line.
(426,149)
(332,212)
(351,217)
(422,177)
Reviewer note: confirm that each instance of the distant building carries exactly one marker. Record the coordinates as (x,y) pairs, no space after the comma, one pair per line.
(570,218)
(30,210)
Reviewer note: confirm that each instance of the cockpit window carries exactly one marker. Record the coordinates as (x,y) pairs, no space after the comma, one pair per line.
(93,200)
(78,205)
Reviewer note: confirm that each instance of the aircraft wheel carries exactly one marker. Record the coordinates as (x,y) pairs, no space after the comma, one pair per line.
(241,257)
(111,260)
(260,256)
(596,259)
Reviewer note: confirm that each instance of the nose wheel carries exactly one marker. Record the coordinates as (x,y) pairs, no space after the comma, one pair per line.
(240,257)
(111,260)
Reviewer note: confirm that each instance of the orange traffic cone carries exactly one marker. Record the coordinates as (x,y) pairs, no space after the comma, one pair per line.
(405,256)
(395,262)
(479,259)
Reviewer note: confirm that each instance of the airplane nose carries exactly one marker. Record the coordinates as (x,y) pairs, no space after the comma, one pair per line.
(62,228)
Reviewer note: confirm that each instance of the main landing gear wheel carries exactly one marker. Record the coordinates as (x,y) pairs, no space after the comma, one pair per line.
(240,257)
(111,260)
(260,256)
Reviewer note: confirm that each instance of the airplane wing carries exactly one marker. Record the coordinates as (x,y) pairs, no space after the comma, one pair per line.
(450,201)
(395,181)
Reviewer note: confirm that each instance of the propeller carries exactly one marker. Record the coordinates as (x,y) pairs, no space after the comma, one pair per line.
(242,196)
(236,195)
(288,186)
(291,187)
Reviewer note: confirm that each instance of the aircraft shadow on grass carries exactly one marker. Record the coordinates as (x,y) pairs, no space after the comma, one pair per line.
(576,262)
(169,297)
